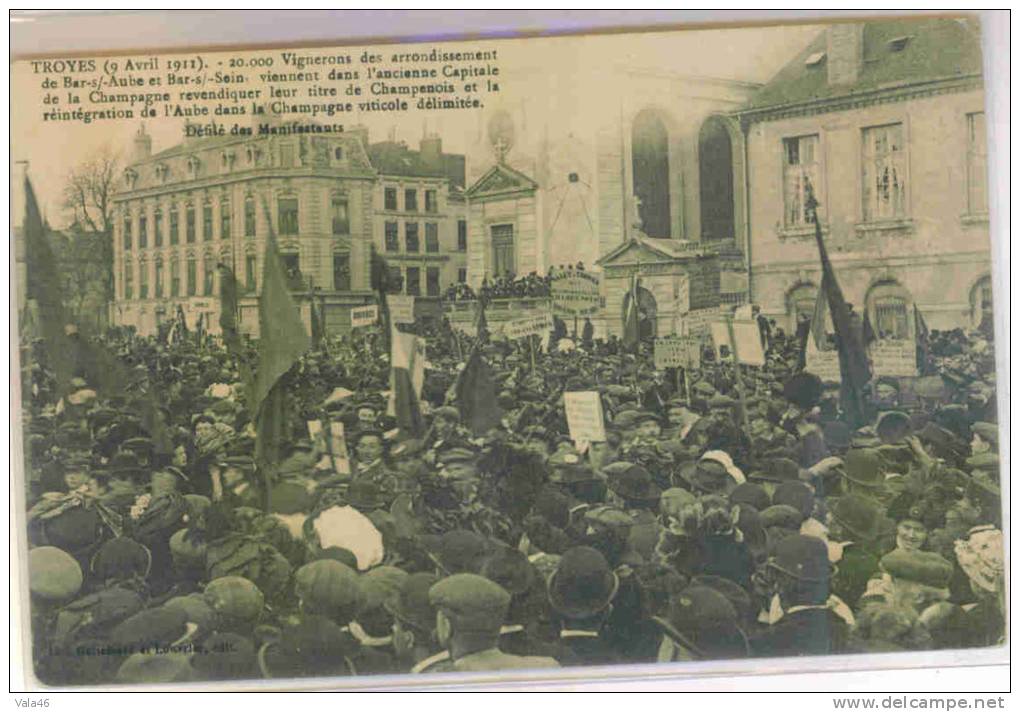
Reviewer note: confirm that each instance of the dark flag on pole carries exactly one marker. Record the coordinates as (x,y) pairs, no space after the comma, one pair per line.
(921,335)
(853,359)
(631,322)
(476,395)
(382,283)
(228,323)
(282,341)
(43,289)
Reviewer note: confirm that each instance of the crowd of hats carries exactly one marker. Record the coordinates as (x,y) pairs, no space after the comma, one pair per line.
(159,553)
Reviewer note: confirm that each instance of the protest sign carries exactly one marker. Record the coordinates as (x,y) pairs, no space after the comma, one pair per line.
(678,351)
(894,357)
(824,364)
(364,316)
(401,309)
(696,322)
(746,341)
(584,416)
(539,325)
(575,293)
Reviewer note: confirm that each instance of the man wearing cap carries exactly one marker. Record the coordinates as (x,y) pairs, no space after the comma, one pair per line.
(810,622)
(470,609)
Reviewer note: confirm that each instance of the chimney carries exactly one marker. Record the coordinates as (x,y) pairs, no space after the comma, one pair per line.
(846,53)
(142,145)
(431,148)
(360,132)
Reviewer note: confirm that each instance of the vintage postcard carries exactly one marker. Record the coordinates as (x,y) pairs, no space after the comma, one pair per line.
(507,355)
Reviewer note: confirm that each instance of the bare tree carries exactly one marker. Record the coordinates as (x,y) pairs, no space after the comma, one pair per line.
(88,197)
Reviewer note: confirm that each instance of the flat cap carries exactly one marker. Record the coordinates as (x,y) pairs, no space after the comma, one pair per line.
(471,601)
(924,567)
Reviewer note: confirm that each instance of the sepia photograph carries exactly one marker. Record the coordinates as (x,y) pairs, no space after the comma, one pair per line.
(517,355)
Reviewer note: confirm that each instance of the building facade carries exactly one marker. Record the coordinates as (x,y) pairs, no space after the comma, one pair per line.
(420,218)
(884,123)
(210,201)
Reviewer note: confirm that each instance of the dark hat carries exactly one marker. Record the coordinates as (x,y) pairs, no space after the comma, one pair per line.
(860,515)
(803,557)
(644,416)
(365,496)
(609,516)
(721,401)
(703,388)
(448,412)
(74,529)
(702,609)
(706,476)
(989,432)
(411,605)
(777,469)
(155,625)
(338,553)
(864,466)
(155,669)
(626,419)
(751,494)
(290,497)
(633,482)
(380,586)
(797,495)
(803,390)
(924,567)
(837,434)
(782,515)
(315,646)
(942,442)
(225,656)
(471,602)
(121,559)
(457,551)
(736,594)
(511,569)
(892,427)
(986,461)
(583,584)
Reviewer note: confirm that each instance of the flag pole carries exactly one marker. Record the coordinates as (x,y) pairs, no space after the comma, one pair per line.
(740,380)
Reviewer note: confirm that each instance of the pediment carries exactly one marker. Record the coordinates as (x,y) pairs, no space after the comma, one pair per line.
(501,179)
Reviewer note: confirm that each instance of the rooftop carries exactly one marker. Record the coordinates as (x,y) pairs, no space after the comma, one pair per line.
(895,53)
(395,158)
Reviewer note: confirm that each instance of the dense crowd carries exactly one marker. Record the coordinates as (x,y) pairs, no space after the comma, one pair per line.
(159,552)
(510,286)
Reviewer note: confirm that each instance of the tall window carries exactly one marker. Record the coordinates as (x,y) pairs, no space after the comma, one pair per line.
(410,199)
(411,236)
(157,227)
(431,237)
(650,154)
(891,318)
(128,280)
(431,202)
(249,217)
(884,173)
(715,174)
(462,235)
(127,232)
(432,281)
(208,270)
(175,278)
(503,261)
(225,219)
(462,275)
(175,227)
(800,176)
(192,276)
(288,208)
(189,222)
(392,237)
(342,272)
(143,280)
(413,281)
(143,231)
(977,164)
(394,280)
(390,199)
(207,221)
(292,268)
(160,282)
(341,220)
(249,272)
(287,155)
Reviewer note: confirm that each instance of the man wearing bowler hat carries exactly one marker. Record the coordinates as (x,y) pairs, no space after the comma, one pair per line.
(581,591)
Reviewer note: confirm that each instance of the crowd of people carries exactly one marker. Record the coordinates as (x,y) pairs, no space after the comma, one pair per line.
(510,286)
(720,518)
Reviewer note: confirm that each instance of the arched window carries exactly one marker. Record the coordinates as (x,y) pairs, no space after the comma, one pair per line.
(225,216)
(981,303)
(888,306)
(157,227)
(339,212)
(800,302)
(715,174)
(189,222)
(175,226)
(207,220)
(650,156)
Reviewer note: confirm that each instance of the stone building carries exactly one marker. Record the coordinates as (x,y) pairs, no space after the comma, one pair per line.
(420,217)
(593,160)
(885,122)
(208,200)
